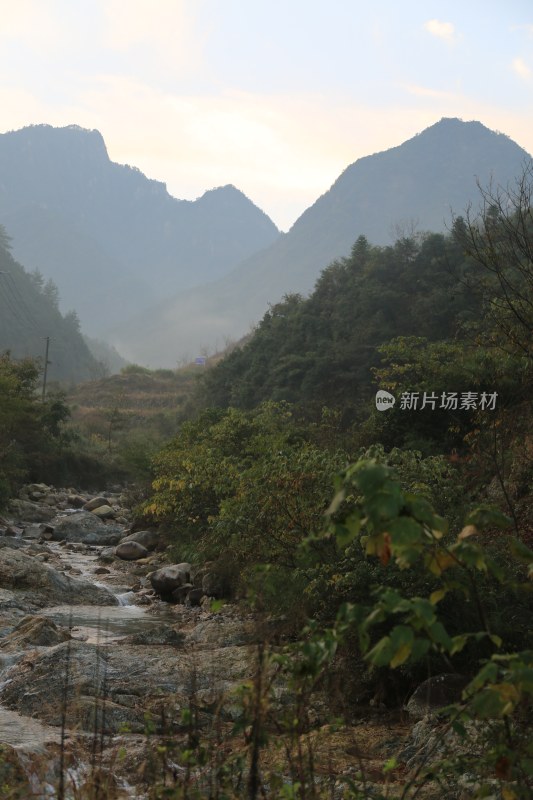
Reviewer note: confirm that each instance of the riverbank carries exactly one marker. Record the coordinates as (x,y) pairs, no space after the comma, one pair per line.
(108,691)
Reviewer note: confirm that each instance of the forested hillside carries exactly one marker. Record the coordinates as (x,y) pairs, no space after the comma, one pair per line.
(369,550)
(321,350)
(29,314)
(397,193)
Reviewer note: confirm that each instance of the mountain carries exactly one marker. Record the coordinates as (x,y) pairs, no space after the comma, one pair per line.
(29,315)
(113,240)
(416,183)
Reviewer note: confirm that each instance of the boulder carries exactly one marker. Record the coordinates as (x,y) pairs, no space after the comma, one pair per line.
(194,597)
(9,541)
(76,501)
(14,773)
(26,511)
(130,551)
(435,693)
(216,585)
(148,539)
(165,580)
(104,512)
(180,594)
(107,555)
(85,527)
(37,584)
(34,631)
(96,502)
(158,635)
(13,530)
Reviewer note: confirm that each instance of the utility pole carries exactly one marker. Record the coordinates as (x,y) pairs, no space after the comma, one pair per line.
(46,362)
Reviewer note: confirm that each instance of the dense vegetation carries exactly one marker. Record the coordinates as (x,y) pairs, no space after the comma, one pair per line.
(321,350)
(412,569)
(431,317)
(416,558)
(31,439)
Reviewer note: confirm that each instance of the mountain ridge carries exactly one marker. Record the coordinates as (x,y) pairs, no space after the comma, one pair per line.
(422,179)
(59,187)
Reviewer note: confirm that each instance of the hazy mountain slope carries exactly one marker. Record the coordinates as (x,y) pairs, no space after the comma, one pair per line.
(112,239)
(418,181)
(28,315)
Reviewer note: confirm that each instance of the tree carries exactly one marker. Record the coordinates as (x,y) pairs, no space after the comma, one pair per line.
(31,434)
(499,242)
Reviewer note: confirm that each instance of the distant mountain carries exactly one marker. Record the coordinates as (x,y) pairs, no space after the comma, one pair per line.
(29,314)
(110,238)
(416,183)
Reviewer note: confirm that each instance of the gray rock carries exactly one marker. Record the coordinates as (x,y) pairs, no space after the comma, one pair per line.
(158,635)
(220,632)
(42,531)
(104,512)
(435,693)
(34,631)
(85,527)
(194,597)
(26,511)
(107,555)
(130,551)
(96,502)
(38,584)
(13,530)
(215,585)
(180,594)
(166,579)
(76,501)
(9,541)
(148,539)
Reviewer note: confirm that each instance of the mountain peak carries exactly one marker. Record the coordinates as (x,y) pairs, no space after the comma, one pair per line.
(40,140)
(412,186)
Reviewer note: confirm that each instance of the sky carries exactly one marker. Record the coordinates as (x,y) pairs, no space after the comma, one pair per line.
(276,97)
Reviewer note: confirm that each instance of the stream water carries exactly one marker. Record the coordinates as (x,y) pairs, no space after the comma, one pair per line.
(99,625)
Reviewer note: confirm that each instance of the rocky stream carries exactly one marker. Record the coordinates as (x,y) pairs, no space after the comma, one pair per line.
(88,646)
(103,645)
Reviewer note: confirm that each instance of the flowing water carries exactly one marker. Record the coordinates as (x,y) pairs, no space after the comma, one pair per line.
(93,624)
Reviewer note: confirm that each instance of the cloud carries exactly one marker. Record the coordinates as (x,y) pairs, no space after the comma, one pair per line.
(163,32)
(521,69)
(442,30)
(31,23)
(426,91)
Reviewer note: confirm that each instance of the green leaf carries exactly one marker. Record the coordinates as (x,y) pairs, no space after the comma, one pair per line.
(420,649)
(382,652)
(440,635)
(436,596)
(383,505)
(421,509)
(336,502)
(458,643)
(401,640)
(520,551)
(369,476)
(404,531)
(345,533)
(485,516)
